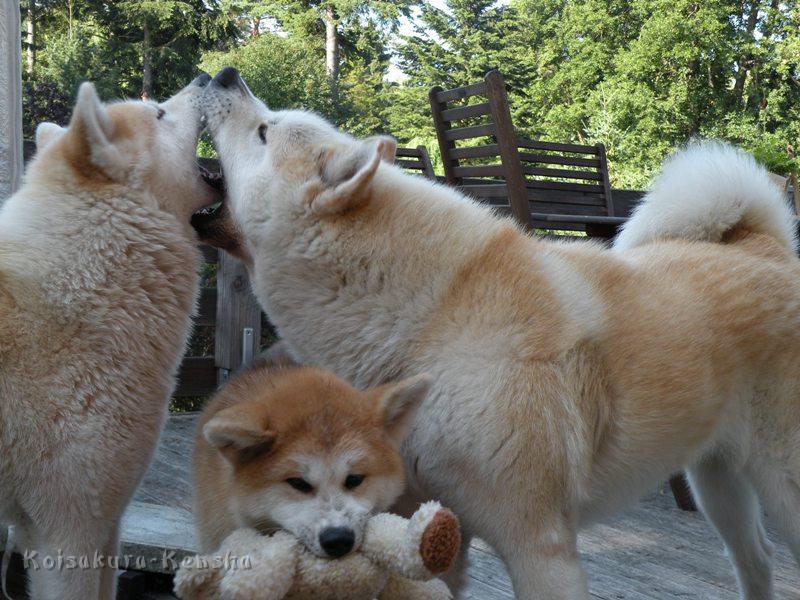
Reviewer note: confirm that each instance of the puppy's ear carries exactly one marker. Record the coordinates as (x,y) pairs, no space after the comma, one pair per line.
(240,432)
(346,176)
(91,136)
(46,134)
(398,404)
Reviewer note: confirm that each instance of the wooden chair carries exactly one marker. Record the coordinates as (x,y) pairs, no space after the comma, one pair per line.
(543,184)
(415,160)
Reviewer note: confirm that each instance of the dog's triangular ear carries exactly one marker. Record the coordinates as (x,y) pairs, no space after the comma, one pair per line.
(399,402)
(347,175)
(91,135)
(46,134)
(240,432)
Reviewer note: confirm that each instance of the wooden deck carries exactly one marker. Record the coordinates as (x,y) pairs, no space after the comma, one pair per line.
(653,551)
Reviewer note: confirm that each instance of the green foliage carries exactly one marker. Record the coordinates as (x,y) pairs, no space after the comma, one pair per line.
(44,102)
(645,76)
(101,40)
(278,71)
(80,55)
(640,76)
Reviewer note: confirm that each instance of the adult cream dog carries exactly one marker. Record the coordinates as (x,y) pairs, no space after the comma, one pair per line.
(568,378)
(98,281)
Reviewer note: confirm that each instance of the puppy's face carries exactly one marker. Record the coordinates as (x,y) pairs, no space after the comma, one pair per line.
(146,147)
(312,455)
(286,163)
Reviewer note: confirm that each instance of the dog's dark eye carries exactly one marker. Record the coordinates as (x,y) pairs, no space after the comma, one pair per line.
(161,113)
(300,484)
(353,481)
(262,133)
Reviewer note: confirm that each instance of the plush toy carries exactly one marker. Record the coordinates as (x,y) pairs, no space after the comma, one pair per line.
(397,560)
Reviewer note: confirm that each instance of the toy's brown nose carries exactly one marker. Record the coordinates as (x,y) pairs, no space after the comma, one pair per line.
(228,77)
(337,541)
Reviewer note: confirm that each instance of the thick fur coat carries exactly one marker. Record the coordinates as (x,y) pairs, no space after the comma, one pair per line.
(98,279)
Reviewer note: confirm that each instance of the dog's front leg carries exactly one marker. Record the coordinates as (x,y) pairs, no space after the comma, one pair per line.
(50,580)
(108,577)
(543,562)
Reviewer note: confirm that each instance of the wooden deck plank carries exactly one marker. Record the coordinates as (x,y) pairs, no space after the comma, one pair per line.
(652,552)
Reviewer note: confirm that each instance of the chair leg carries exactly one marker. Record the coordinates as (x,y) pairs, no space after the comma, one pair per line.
(682,492)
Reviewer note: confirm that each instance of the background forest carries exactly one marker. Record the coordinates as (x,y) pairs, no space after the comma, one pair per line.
(641,76)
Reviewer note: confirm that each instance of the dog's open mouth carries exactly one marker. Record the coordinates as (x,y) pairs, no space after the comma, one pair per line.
(213,222)
(211,174)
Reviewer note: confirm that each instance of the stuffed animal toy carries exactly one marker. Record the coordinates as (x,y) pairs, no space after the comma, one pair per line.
(397,560)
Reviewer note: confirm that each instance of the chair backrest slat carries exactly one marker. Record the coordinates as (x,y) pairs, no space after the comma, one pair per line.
(487,190)
(555,146)
(476,151)
(465,133)
(563,186)
(466,112)
(480,171)
(559,159)
(461,93)
(409,164)
(563,173)
(415,160)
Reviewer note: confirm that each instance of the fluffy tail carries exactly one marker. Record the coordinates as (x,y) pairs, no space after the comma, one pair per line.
(705,191)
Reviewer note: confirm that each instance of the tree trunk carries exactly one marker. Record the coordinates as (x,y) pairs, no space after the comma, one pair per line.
(30,51)
(746,59)
(255,29)
(147,66)
(332,52)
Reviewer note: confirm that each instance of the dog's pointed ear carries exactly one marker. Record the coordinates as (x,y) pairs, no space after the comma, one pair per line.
(46,134)
(346,176)
(91,135)
(399,403)
(240,432)
(386,146)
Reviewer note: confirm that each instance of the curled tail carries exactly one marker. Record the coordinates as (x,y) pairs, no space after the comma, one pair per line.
(705,191)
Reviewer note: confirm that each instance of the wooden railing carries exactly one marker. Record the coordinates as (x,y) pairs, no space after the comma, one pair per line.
(231,308)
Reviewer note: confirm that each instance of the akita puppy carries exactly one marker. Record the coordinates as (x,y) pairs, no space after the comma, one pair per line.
(300,450)
(98,279)
(568,378)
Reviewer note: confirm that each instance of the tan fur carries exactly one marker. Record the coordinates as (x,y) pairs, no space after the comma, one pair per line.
(569,378)
(298,413)
(97,287)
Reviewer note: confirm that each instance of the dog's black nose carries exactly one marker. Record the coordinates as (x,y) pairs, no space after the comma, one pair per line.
(337,541)
(201,80)
(228,77)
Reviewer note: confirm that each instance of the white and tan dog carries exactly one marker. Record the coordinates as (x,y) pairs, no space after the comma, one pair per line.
(569,379)
(300,450)
(98,279)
